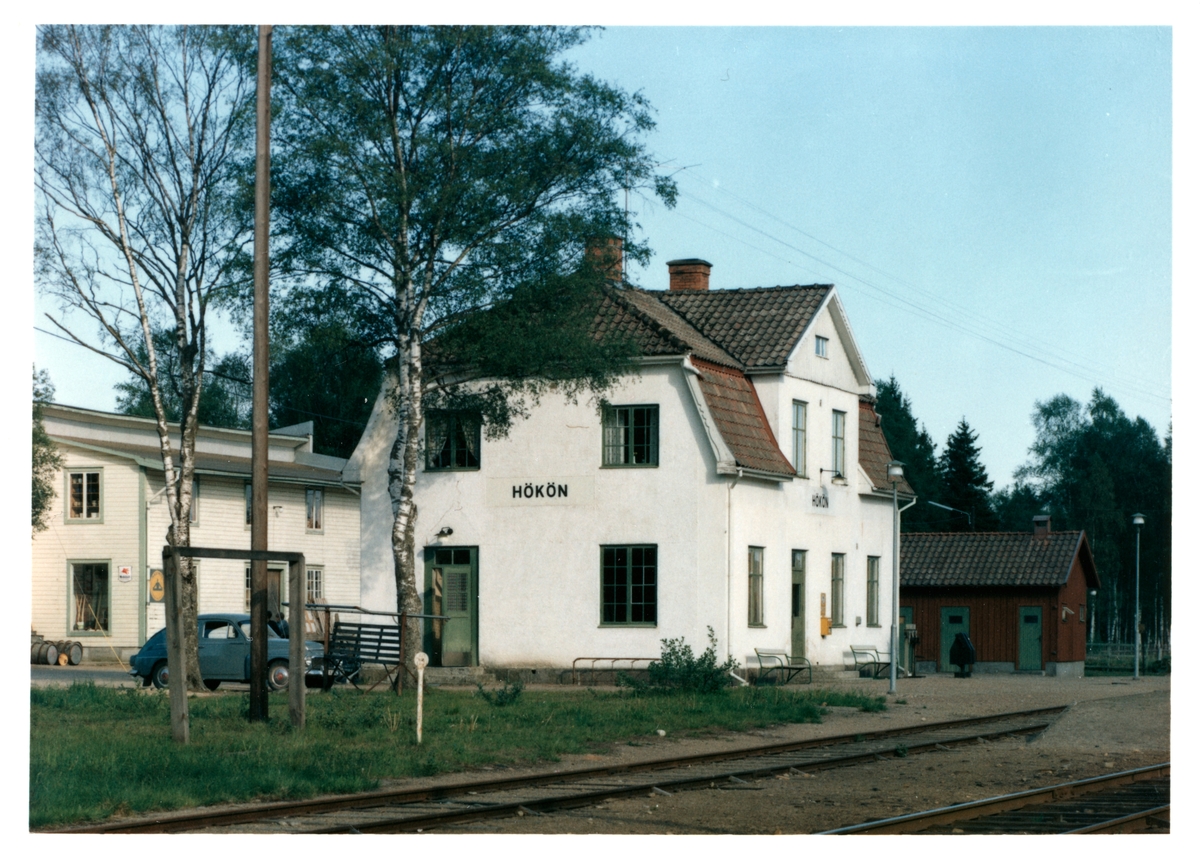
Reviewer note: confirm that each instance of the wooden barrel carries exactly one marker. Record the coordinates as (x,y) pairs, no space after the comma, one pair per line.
(33,652)
(74,652)
(47,653)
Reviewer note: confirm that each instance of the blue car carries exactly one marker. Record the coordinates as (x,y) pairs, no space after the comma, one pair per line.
(225,654)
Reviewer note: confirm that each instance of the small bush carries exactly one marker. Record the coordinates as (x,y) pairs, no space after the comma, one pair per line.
(511,693)
(680,669)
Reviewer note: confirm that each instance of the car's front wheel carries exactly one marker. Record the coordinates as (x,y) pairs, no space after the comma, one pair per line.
(211,684)
(160,676)
(277,675)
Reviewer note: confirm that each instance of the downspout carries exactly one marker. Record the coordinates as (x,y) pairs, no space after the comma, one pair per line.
(729,563)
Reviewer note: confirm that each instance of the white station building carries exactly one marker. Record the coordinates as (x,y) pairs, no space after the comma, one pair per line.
(737,484)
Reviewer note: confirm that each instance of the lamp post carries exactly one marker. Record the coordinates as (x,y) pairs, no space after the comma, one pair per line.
(1138,520)
(895,474)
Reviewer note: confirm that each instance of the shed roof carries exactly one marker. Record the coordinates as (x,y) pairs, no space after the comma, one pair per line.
(994,559)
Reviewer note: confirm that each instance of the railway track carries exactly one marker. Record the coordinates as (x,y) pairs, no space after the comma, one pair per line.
(1136,800)
(428,807)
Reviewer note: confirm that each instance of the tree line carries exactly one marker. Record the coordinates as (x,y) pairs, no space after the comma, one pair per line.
(1091,468)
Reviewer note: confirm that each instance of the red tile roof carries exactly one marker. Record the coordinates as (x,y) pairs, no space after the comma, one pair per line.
(758,326)
(874,452)
(733,401)
(993,559)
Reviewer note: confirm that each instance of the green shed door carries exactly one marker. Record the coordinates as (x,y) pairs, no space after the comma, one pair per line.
(1030,638)
(451,590)
(954,620)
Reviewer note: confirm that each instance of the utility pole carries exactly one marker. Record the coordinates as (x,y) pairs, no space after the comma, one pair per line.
(1138,520)
(258,439)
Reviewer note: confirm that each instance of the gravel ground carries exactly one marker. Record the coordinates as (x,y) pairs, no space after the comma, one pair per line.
(1113,724)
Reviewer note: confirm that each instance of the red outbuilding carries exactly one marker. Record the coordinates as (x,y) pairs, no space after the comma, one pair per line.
(1022,598)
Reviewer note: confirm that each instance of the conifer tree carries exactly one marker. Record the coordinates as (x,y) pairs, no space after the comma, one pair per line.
(964,481)
(911,444)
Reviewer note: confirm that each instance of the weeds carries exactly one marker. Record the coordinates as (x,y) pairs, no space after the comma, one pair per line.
(678,668)
(510,694)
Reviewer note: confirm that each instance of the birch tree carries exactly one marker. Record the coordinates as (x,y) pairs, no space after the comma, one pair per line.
(140,131)
(428,174)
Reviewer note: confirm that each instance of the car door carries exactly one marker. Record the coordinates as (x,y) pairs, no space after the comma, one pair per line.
(223,650)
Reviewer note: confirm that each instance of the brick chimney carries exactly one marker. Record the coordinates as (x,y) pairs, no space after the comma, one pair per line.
(606,254)
(689,274)
(1041,525)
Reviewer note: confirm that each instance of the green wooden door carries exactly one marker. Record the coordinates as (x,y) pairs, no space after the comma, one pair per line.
(451,590)
(798,561)
(1030,639)
(954,620)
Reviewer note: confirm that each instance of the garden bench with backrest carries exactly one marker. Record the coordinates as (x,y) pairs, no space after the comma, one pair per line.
(871,660)
(351,645)
(774,665)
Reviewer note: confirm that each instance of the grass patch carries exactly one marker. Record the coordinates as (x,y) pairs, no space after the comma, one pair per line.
(96,752)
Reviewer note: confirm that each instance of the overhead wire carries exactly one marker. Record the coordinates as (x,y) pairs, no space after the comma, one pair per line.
(1025,347)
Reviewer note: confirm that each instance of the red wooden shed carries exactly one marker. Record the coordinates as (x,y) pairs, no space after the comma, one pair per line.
(1020,597)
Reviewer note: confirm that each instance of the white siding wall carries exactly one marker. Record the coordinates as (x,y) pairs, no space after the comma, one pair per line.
(221,523)
(115,541)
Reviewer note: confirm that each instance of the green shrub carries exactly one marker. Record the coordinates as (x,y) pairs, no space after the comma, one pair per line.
(680,669)
(511,693)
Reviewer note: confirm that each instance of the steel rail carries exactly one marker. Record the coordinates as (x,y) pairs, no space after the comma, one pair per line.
(998,804)
(379,798)
(660,785)
(1123,824)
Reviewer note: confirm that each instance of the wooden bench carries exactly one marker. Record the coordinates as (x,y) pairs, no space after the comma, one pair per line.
(870,659)
(351,645)
(773,664)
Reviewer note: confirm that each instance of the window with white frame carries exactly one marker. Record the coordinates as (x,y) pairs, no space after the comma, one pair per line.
(800,437)
(872,591)
(314,508)
(755,615)
(839,444)
(822,348)
(837,588)
(83,495)
(89,597)
(316,584)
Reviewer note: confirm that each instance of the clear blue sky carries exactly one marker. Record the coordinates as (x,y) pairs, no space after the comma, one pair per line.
(994,204)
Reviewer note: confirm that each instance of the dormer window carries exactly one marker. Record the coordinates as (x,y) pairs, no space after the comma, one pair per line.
(822,347)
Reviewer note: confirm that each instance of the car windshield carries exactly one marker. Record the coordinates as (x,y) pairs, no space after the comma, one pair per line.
(275,632)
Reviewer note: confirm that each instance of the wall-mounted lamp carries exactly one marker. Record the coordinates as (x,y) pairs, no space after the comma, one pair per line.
(444,532)
(277,510)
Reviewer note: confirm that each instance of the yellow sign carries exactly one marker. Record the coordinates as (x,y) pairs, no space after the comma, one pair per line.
(158,586)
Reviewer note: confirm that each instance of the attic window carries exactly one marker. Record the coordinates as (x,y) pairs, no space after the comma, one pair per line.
(822,347)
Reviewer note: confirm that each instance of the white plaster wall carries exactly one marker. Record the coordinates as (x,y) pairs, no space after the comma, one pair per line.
(539,563)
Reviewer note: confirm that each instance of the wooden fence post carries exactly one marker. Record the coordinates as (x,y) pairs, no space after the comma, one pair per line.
(296,637)
(176,656)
